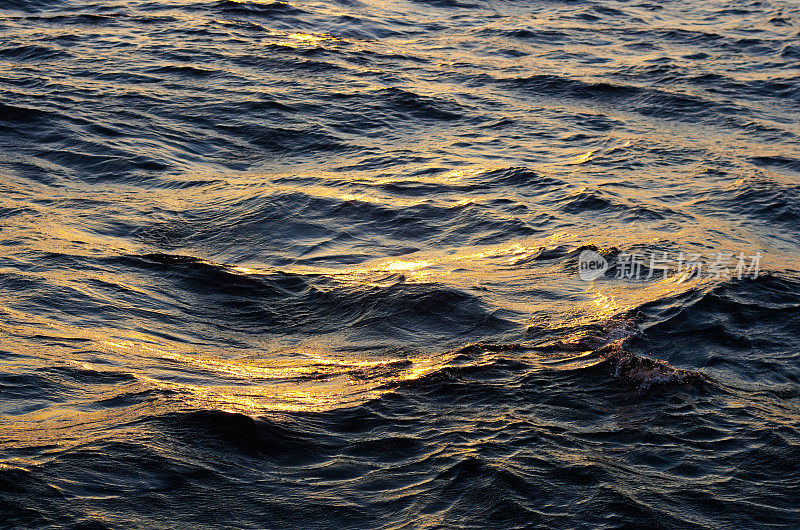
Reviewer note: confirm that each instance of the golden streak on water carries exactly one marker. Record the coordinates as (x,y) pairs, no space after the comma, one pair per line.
(586,157)
(406,265)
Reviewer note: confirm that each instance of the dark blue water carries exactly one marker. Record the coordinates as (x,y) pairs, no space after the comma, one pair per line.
(315,264)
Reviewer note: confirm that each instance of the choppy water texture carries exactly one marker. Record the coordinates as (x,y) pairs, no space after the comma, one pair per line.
(314,263)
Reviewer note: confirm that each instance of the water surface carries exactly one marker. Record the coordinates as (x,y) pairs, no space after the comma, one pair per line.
(315,263)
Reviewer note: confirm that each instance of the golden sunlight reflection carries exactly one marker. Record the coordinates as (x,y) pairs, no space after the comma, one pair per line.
(399,265)
(286,380)
(268,375)
(606,305)
(307,37)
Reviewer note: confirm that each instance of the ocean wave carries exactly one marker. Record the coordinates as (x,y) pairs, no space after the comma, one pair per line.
(264,262)
(286,303)
(266,9)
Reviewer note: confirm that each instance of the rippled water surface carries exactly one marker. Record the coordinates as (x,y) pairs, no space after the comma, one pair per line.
(315,264)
